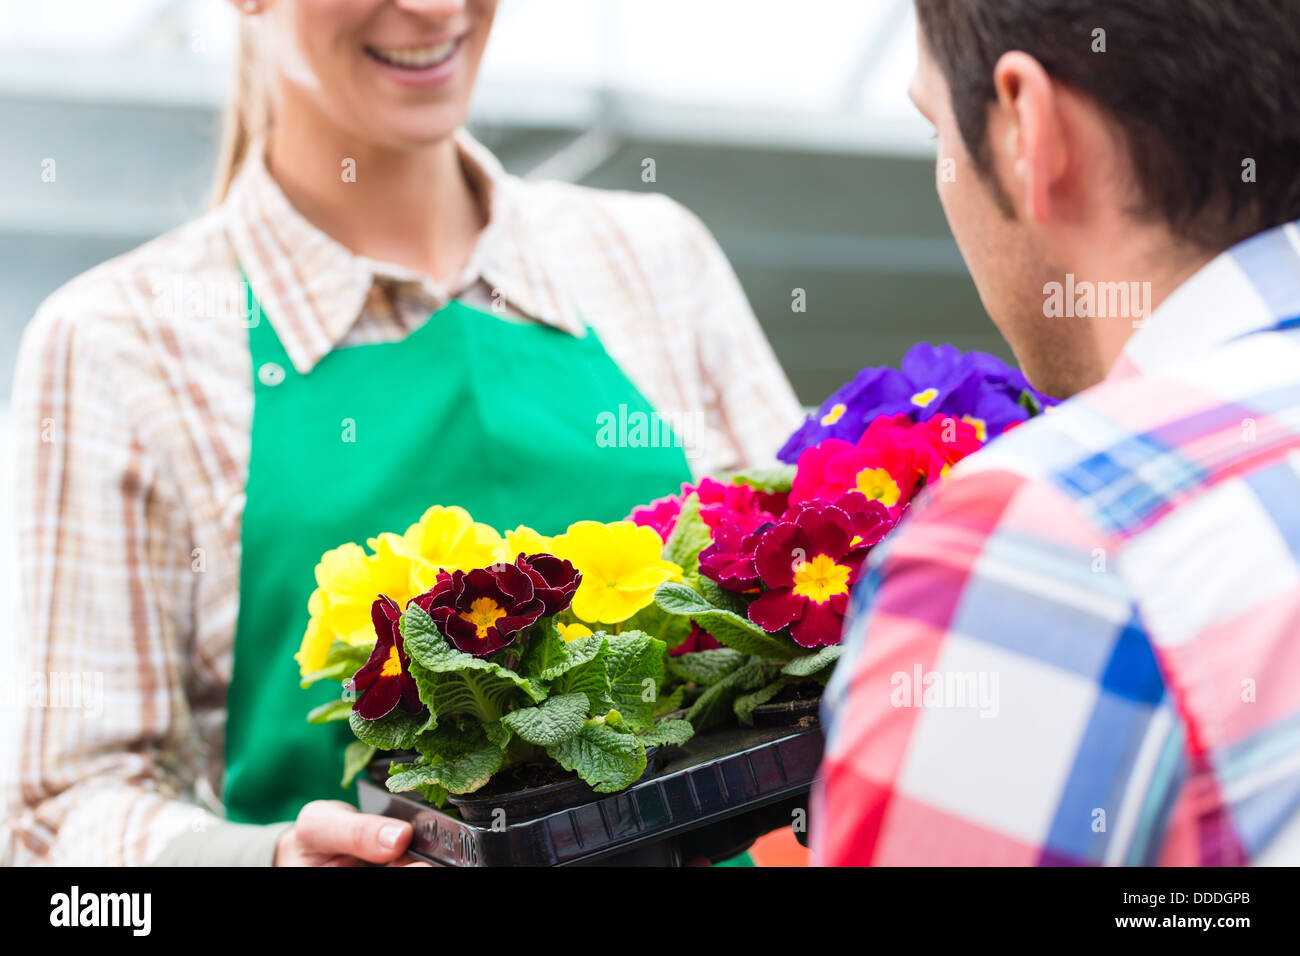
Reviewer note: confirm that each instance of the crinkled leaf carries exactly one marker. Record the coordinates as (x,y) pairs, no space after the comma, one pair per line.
(549,655)
(608,759)
(720,597)
(451,740)
(355,758)
(690,536)
(427,647)
(463,774)
(744,704)
(667,703)
(668,733)
(714,706)
(707,667)
(330,711)
(730,629)
(812,663)
(589,677)
(768,480)
(479,692)
(396,731)
(553,720)
(635,665)
(655,621)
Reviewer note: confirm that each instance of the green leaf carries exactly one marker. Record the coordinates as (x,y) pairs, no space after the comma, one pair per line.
(715,705)
(707,667)
(608,759)
(655,621)
(635,667)
(769,480)
(553,720)
(690,536)
(744,705)
(355,758)
(1029,403)
(589,677)
(812,663)
(463,774)
(728,628)
(479,692)
(341,662)
(668,733)
(667,703)
(452,740)
(395,731)
(549,655)
(720,597)
(451,681)
(330,711)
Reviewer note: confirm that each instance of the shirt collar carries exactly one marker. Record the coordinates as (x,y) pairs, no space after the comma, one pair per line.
(312,288)
(1249,288)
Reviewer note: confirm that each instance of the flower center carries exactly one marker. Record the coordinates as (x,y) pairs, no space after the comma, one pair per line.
(393,666)
(483,613)
(981,427)
(821,579)
(925,397)
(835,414)
(879,485)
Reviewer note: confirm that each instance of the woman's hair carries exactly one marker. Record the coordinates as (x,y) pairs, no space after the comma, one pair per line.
(247,112)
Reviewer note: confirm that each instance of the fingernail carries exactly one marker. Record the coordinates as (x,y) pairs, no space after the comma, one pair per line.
(388,835)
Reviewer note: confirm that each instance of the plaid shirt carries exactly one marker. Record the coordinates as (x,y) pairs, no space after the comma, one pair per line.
(1084,647)
(132,412)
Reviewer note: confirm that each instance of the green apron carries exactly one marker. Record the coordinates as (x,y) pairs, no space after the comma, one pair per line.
(496,416)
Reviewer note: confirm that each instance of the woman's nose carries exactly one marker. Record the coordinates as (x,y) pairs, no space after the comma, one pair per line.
(432,8)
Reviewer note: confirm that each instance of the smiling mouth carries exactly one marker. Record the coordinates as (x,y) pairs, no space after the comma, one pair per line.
(414,57)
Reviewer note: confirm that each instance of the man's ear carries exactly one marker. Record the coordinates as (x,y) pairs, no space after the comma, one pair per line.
(1026,137)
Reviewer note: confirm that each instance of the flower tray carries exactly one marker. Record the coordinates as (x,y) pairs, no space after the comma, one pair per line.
(711,798)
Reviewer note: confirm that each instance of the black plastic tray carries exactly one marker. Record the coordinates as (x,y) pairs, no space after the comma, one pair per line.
(712,798)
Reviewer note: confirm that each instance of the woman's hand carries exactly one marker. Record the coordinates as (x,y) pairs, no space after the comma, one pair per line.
(333,833)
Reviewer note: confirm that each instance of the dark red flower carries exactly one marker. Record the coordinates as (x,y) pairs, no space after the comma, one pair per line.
(809,560)
(481,611)
(698,640)
(729,560)
(554,580)
(385,679)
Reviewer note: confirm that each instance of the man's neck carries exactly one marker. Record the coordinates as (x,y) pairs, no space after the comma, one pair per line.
(1148,265)
(413,207)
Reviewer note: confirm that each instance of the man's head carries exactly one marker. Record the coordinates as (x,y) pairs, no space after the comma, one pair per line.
(1104,142)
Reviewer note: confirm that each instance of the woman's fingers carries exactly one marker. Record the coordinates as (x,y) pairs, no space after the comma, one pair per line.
(332,828)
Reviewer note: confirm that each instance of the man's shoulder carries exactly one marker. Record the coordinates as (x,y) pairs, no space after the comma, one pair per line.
(1133,450)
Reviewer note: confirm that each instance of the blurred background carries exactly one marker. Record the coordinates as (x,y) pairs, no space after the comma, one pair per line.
(785,127)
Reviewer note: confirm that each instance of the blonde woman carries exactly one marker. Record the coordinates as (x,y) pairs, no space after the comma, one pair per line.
(375,318)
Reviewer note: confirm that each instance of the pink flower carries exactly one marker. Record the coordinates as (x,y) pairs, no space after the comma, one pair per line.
(660,514)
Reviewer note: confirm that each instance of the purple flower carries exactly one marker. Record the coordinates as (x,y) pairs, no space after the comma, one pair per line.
(976,387)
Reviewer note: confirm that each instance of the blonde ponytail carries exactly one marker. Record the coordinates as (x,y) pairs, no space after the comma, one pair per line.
(247,112)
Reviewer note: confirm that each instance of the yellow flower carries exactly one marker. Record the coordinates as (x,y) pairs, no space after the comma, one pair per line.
(448,539)
(621,565)
(524,540)
(574,632)
(348,581)
(316,641)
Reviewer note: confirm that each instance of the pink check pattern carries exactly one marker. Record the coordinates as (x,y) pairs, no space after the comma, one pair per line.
(1084,647)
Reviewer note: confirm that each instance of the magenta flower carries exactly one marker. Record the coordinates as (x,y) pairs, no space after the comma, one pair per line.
(729,560)
(810,561)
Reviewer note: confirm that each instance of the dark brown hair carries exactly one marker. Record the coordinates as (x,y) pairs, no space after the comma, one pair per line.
(1203,92)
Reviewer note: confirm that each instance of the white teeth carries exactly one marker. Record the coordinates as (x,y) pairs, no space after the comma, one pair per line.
(415,57)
